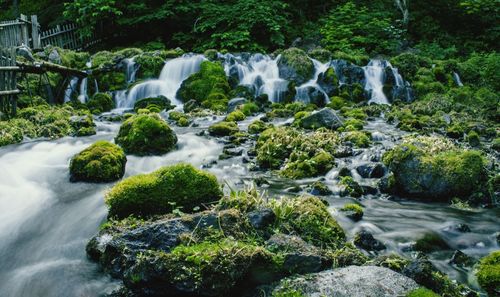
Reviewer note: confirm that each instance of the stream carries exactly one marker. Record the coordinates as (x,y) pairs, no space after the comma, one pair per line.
(47,221)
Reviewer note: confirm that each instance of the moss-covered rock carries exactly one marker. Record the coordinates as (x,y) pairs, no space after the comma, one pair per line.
(178,186)
(146,134)
(257,127)
(223,129)
(434,168)
(430,242)
(100,162)
(161,102)
(351,187)
(301,165)
(100,102)
(150,65)
(235,116)
(422,292)
(357,138)
(321,54)
(82,125)
(294,65)
(353,211)
(488,273)
(209,87)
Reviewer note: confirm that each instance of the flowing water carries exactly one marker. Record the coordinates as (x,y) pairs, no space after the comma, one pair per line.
(374,74)
(304,90)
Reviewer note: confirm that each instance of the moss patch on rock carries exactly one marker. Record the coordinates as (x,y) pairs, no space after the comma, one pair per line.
(223,129)
(100,102)
(178,186)
(146,134)
(488,273)
(100,162)
(295,65)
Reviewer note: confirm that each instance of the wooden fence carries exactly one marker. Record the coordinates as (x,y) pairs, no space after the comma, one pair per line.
(8,80)
(27,32)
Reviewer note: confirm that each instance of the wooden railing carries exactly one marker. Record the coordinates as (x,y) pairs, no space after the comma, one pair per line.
(27,32)
(8,80)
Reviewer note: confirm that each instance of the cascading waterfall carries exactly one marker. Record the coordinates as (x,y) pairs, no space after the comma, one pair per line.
(83,96)
(70,89)
(174,72)
(304,91)
(260,72)
(374,74)
(457,79)
(131,68)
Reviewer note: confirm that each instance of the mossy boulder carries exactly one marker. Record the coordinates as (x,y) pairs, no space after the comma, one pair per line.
(488,273)
(146,134)
(82,125)
(357,138)
(294,65)
(235,116)
(434,168)
(161,102)
(178,186)
(100,102)
(209,87)
(257,127)
(321,54)
(100,162)
(302,166)
(223,129)
(353,211)
(150,65)
(181,119)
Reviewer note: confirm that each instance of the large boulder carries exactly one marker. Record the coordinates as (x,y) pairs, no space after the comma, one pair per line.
(146,134)
(177,186)
(434,168)
(100,162)
(325,117)
(348,282)
(234,103)
(294,65)
(329,82)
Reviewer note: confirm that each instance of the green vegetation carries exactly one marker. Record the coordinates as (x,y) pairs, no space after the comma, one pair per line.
(422,292)
(358,138)
(100,162)
(159,102)
(146,134)
(235,116)
(100,102)
(179,186)
(209,87)
(223,129)
(488,273)
(355,211)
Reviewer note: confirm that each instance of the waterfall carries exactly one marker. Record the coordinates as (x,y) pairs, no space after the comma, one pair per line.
(83,96)
(260,72)
(457,79)
(374,74)
(174,72)
(131,69)
(70,89)
(312,87)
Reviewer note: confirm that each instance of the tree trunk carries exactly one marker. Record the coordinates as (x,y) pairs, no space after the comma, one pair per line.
(15,6)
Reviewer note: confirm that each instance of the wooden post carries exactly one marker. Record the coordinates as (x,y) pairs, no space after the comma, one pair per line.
(35,32)
(24,30)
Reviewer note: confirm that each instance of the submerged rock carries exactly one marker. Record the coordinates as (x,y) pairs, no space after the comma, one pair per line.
(349,282)
(371,170)
(366,241)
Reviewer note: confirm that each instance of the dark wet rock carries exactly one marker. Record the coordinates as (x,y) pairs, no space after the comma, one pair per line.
(299,256)
(261,218)
(234,103)
(350,281)
(312,94)
(319,189)
(460,228)
(328,81)
(259,181)
(349,73)
(461,259)
(344,171)
(365,240)
(54,57)
(325,117)
(369,190)
(233,151)
(431,242)
(344,151)
(371,170)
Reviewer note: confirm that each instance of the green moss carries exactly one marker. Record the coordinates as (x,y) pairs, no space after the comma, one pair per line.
(249,108)
(160,101)
(298,61)
(100,162)
(473,138)
(159,192)
(180,118)
(302,166)
(392,261)
(433,168)
(171,53)
(352,188)
(488,273)
(235,116)
(337,103)
(257,127)
(209,87)
(83,125)
(358,138)
(355,208)
(430,242)
(109,81)
(146,134)
(422,292)
(150,65)
(320,54)
(211,54)
(275,145)
(308,218)
(223,129)
(319,188)
(347,256)
(101,102)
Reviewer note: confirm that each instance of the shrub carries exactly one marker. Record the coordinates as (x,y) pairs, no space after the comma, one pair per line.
(100,162)
(488,273)
(159,192)
(146,134)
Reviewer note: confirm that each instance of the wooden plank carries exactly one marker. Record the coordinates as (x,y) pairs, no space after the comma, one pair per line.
(10,92)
